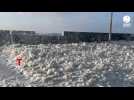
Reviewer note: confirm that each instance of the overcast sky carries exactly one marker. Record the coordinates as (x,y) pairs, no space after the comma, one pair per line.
(64,21)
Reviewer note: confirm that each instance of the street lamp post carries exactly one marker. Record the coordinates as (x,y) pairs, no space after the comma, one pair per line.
(11,35)
(111,20)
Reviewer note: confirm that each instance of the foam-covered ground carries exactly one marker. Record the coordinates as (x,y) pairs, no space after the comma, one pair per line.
(76,64)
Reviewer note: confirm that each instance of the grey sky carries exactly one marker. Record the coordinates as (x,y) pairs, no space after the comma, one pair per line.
(63,21)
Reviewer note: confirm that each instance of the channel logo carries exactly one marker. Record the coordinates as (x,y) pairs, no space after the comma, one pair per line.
(126,21)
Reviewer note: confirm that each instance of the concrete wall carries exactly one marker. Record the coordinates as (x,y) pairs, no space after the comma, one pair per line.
(4,37)
(24,32)
(30,37)
(85,36)
(36,38)
(26,39)
(98,37)
(127,37)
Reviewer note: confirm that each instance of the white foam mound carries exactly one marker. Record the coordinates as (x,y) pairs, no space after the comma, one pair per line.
(78,64)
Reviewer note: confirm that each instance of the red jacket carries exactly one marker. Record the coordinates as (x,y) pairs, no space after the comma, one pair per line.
(18,60)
